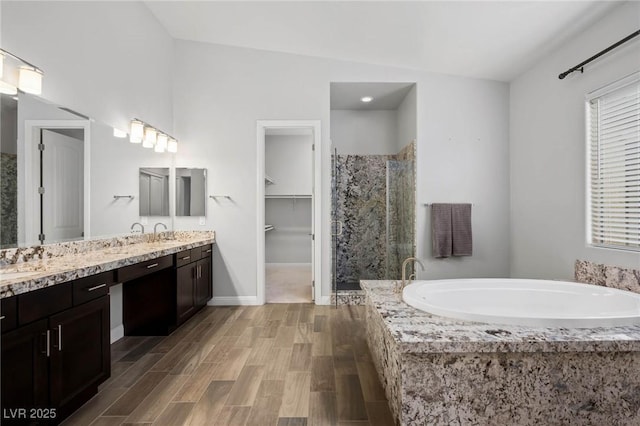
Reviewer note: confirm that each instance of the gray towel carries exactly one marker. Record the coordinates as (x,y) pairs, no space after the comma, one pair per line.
(461,230)
(441,231)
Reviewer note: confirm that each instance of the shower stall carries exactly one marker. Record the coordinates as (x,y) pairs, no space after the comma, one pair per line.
(373,209)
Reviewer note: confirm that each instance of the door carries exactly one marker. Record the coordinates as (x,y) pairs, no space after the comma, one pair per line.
(203,281)
(185,291)
(80,353)
(25,368)
(62,180)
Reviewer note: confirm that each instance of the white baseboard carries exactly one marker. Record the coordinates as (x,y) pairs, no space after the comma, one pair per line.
(324,300)
(117,333)
(233,301)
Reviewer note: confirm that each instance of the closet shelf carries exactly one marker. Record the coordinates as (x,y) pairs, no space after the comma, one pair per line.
(268,180)
(288,196)
(269,228)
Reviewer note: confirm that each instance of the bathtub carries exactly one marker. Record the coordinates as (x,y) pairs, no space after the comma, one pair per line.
(536,303)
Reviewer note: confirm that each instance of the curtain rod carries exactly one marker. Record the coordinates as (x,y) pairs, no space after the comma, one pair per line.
(580,66)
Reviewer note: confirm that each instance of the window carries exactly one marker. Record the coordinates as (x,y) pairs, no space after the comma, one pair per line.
(613,125)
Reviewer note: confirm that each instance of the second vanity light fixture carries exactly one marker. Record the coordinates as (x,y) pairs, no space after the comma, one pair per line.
(18,74)
(150,137)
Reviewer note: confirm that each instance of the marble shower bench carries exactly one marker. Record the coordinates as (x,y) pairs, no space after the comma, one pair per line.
(440,371)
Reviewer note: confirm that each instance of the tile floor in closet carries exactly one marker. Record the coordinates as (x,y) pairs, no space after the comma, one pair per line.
(277,364)
(288,283)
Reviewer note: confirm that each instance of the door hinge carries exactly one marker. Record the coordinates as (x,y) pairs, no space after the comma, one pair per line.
(313,283)
(41,190)
(40,147)
(313,147)
(313,237)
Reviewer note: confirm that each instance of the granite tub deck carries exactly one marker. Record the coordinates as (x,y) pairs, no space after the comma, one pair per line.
(439,371)
(33,268)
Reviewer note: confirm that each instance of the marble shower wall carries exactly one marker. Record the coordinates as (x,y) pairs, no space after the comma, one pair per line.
(376,204)
(9,202)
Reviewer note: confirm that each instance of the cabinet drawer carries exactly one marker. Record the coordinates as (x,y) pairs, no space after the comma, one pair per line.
(8,313)
(183,258)
(206,251)
(89,288)
(42,303)
(141,269)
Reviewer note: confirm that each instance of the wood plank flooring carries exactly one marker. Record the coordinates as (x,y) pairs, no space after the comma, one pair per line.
(271,365)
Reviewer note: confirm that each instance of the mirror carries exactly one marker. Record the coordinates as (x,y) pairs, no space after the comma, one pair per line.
(95,198)
(191,194)
(154,191)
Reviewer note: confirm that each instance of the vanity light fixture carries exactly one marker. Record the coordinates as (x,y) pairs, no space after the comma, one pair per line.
(151,137)
(366,99)
(119,133)
(172,146)
(161,143)
(136,133)
(24,76)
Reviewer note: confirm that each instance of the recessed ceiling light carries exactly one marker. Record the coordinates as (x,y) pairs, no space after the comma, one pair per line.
(366,99)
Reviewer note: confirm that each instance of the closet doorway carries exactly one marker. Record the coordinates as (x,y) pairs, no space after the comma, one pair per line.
(288,212)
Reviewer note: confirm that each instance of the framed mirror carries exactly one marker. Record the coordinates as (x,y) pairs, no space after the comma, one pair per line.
(191,194)
(154,191)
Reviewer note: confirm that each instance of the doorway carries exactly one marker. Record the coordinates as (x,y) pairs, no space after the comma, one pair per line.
(56,172)
(288,202)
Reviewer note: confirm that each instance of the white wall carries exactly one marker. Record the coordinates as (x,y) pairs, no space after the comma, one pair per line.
(109,60)
(407,120)
(290,241)
(548,157)
(367,132)
(462,148)
(288,161)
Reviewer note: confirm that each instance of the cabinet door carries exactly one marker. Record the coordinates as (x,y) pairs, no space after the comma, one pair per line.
(25,369)
(80,354)
(185,291)
(203,282)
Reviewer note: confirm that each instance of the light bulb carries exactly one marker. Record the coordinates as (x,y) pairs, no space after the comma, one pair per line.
(366,99)
(137,131)
(150,137)
(162,141)
(30,81)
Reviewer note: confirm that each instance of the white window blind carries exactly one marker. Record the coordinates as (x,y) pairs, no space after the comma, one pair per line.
(614,167)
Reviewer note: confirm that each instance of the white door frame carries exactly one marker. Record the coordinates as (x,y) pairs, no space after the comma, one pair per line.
(261,127)
(31,163)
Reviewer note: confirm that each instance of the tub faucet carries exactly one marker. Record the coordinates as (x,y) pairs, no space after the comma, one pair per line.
(155,229)
(141,227)
(404,270)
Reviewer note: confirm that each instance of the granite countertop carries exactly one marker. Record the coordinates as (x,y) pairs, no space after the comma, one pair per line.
(415,331)
(92,258)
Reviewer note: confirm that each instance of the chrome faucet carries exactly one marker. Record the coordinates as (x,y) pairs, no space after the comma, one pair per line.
(404,270)
(155,229)
(141,227)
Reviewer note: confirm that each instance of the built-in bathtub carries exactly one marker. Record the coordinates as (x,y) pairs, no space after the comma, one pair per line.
(535,303)
(439,370)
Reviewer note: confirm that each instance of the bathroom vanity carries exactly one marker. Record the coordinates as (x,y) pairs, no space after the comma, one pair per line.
(55,313)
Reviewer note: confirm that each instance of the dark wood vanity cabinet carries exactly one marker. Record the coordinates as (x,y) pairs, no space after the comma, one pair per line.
(58,354)
(193,281)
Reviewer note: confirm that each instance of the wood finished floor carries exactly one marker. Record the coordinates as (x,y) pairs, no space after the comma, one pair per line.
(280,364)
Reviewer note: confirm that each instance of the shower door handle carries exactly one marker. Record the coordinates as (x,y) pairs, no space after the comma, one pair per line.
(338,229)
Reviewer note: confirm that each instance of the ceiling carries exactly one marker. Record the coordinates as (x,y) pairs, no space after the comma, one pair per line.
(387,96)
(495,40)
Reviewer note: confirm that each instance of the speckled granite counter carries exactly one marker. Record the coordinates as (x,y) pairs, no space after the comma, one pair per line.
(437,370)
(33,268)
